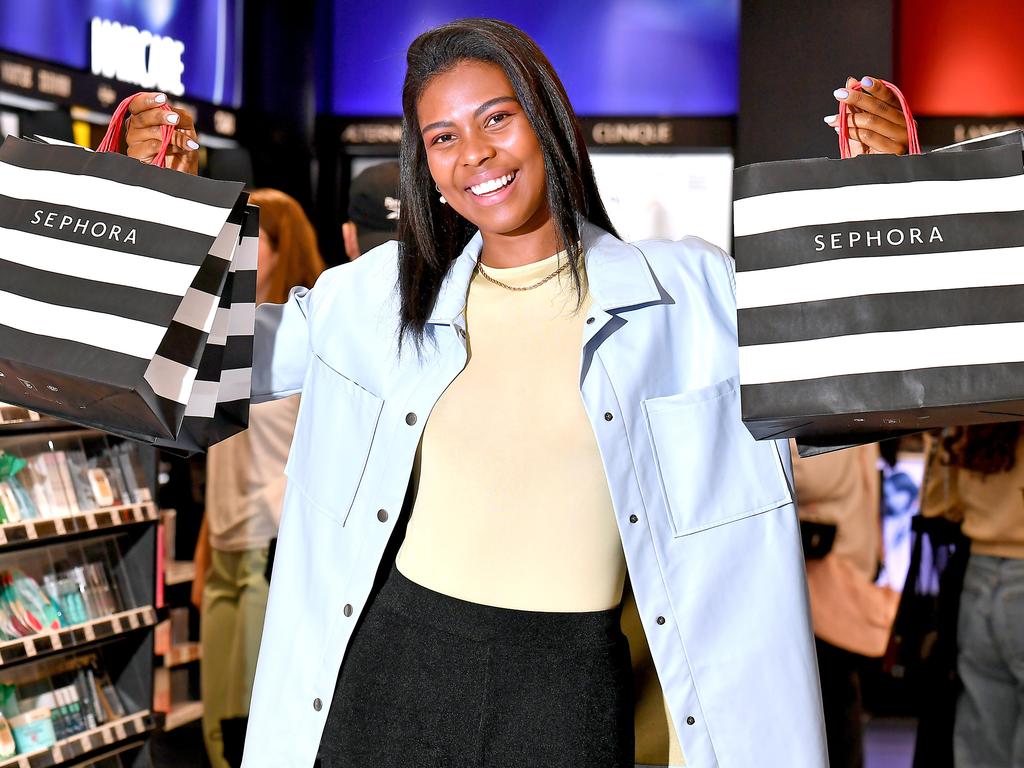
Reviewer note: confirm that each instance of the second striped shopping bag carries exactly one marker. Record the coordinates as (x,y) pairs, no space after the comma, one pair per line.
(881,294)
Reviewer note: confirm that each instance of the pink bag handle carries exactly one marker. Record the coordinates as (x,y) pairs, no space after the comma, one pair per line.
(844,129)
(112,139)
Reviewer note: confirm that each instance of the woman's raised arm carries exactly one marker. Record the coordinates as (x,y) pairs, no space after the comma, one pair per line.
(281,339)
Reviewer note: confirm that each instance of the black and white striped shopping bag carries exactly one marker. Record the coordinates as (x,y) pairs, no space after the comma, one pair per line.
(111,274)
(880,294)
(219,406)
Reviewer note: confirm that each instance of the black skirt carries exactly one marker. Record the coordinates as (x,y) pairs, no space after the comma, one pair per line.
(430,680)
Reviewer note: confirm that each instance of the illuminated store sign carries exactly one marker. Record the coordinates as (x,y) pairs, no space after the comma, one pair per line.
(617,58)
(633,133)
(125,53)
(187,48)
(599,132)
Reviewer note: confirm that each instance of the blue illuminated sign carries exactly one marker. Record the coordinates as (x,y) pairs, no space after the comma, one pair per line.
(675,58)
(202,36)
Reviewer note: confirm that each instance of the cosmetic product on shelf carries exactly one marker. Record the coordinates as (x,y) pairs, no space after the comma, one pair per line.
(7,745)
(15,502)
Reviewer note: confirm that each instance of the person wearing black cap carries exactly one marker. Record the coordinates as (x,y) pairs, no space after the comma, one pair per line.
(373,209)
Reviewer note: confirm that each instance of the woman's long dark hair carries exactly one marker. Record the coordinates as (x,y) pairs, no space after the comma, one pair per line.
(432,235)
(984,448)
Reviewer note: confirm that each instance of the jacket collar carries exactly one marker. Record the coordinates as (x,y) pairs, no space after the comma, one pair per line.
(617,273)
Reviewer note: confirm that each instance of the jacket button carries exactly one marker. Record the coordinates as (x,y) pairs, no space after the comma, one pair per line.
(317,704)
(661,620)
(608,417)
(347,610)
(633,518)
(410,419)
(690,720)
(382,515)
(590,320)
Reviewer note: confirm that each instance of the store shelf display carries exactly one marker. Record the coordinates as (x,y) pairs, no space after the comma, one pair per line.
(179,572)
(76,635)
(183,714)
(31,531)
(111,734)
(77,593)
(62,708)
(67,474)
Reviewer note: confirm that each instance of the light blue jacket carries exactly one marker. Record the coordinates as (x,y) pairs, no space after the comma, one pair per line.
(714,556)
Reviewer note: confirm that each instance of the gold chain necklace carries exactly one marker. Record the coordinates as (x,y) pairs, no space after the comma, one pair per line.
(507,287)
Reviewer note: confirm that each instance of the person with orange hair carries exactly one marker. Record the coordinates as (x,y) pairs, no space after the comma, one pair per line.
(244,493)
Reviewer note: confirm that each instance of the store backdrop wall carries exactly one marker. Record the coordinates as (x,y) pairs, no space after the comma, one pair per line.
(792,56)
(654,81)
(278,96)
(956,60)
(960,66)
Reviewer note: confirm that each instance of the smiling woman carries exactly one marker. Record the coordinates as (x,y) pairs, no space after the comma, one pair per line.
(487,105)
(503,416)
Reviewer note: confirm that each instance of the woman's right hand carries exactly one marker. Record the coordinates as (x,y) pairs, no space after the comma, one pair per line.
(147,116)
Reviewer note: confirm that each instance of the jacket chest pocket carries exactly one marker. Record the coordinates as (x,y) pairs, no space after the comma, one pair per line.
(335,429)
(712,471)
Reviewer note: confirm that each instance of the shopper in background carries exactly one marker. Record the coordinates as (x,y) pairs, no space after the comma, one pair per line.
(245,485)
(976,475)
(497,638)
(839,493)
(373,209)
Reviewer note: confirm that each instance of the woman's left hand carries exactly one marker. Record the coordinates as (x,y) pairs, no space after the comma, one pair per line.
(876,120)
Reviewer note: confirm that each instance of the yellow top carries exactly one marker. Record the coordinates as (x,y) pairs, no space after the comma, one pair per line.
(841,488)
(513,508)
(991,507)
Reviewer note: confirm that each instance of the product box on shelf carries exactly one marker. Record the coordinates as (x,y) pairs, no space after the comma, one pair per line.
(59,475)
(59,700)
(14,414)
(66,585)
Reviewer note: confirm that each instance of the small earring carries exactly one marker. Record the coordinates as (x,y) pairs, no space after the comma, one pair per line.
(443,201)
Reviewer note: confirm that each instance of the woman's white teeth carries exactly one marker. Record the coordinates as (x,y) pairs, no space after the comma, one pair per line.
(492,185)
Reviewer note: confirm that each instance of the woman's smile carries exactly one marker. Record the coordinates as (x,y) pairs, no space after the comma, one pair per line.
(494,189)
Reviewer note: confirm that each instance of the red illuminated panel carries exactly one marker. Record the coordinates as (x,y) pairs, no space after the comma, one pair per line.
(957,58)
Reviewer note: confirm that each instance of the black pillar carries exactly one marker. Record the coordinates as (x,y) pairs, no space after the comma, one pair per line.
(278,95)
(793,54)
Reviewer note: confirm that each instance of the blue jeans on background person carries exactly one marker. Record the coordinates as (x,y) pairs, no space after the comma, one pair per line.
(989,730)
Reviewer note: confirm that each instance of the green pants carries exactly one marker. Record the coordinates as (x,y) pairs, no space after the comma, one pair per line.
(234,604)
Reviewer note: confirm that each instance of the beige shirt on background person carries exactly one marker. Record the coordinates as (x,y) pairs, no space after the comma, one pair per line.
(512,506)
(991,507)
(842,488)
(245,478)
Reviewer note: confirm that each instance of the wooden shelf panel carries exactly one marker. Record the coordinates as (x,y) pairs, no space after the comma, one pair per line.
(38,424)
(73,747)
(179,572)
(45,530)
(27,648)
(185,653)
(182,714)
